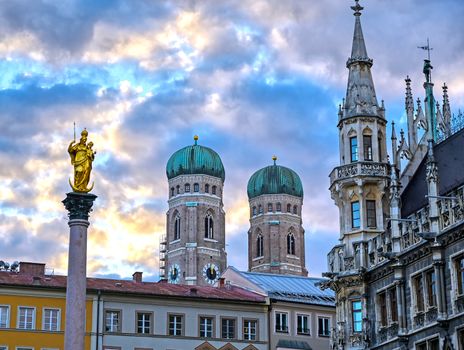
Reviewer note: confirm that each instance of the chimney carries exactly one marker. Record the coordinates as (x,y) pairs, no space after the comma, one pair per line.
(221,282)
(30,268)
(137,277)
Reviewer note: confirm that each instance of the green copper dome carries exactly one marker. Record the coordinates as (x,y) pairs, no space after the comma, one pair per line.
(195,159)
(274,179)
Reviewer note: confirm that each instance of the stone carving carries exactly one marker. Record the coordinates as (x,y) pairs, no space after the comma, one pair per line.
(431,315)
(79,205)
(419,320)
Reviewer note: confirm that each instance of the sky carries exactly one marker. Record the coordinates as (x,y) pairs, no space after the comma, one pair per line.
(251,78)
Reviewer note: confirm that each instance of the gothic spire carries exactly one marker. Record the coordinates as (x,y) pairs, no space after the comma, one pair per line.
(412,138)
(360,95)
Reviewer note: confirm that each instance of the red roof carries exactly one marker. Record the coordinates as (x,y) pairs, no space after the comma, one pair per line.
(161,289)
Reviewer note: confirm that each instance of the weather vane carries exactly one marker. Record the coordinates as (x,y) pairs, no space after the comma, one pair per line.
(82,155)
(427,48)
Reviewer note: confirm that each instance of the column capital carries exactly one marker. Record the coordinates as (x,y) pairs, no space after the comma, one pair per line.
(79,205)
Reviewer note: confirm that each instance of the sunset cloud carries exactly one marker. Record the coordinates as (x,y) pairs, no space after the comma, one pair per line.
(252,78)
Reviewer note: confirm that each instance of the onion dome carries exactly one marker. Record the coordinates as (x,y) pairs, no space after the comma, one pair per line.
(274,179)
(195,159)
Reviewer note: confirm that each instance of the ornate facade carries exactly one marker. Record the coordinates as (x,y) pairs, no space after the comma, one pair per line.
(398,271)
(193,250)
(276,235)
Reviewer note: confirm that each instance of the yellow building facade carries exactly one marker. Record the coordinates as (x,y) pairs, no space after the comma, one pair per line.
(32,310)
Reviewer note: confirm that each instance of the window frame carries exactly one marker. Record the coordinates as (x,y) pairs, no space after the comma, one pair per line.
(259,245)
(34,316)
(209,226)
(206,188)
(354,151)
(151,321)
(278,207)
(214,190)
(431,288)
(187,188)
(226,318)
(248,336)
(213,326)
(367,148)
(355,312)
(418,292)
(119,321)
(8,315)
(196,187)
(177,227)
(458,265)
(281,329)
(371,213)
(354,219)
(291,243)
(327,318)
(182,324)
(58,318)
(298,328)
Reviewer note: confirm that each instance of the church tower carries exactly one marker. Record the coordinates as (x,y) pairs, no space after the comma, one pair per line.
(276,236)
(359,187)
(195,224)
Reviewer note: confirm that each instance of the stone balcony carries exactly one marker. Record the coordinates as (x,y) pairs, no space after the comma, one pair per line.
(367,169)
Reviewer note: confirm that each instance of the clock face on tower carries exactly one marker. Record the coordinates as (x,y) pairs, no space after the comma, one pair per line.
(174,273)
(210,273)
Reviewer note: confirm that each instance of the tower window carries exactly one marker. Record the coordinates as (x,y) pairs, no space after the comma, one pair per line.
(254,211)
(209,227)
(196,188)
(295,209)
(177,228)
(187,188)
(367,143)
(355,215)
(370,211)
(206,188)
(278,207)
(354,148)
(213,190)
(172,191)
(356,308)
(291,244)
(289,208)
(260,209)
(269,208)
(177,189)
(259,245)
(379,146)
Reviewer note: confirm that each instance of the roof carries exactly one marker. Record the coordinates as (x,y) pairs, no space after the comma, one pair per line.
(147,289)
(293,344)
(291,288)
(274,179)
(195,159)
(450,163)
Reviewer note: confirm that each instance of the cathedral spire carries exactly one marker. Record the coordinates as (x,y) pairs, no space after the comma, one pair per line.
(360,95)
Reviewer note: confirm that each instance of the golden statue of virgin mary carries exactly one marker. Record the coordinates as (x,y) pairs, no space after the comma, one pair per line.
(82,155)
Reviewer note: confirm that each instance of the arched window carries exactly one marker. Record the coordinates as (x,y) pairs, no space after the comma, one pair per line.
(196,188)
(206,188)
(253,211)
(278,207)
(259,245)
(172,191)
(269,208)
(260,209)
(209,226)
(289,208)
(213,190)
(295,209)
(291,244)
(187,188)
(177,227)
(177,189)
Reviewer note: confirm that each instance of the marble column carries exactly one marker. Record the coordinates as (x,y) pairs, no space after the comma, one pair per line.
(79,205)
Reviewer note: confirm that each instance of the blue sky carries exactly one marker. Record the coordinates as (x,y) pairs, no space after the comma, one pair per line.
(251,78)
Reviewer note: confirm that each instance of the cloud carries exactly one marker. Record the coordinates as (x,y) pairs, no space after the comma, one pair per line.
(252,78)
